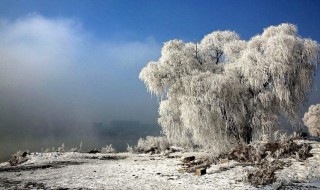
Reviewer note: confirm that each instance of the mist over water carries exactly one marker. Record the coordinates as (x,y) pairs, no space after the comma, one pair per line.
(96,136)
(57,80)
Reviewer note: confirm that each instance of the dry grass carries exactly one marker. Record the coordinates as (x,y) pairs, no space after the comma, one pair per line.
(266,158)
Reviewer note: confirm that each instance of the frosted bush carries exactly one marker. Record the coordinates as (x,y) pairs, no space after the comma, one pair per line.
(131,149)
(62,148)
(312,119)
(18,158)
(80,147)
(74,150)
(153,144)
(225,91)
(108,149)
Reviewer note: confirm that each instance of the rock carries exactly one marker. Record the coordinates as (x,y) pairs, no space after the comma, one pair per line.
(201,171)
(24,154)
(173,178)
(188,159)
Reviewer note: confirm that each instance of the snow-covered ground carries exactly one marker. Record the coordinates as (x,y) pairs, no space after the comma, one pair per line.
(143,171)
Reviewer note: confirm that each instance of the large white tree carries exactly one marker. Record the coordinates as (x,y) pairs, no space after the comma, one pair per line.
(226,90)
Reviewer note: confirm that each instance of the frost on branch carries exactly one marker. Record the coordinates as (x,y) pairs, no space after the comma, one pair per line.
(312,119)
(224,90)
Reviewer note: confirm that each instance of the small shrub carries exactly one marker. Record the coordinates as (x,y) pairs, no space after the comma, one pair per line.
(312,119)
(108,149)
(152,144)
(264,174)
(47,150)
(62,148)
(74,150)
(80,147)
(259,153)
(130,149)
(18,158)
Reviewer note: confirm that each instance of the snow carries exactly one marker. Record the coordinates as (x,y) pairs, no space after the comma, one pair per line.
(145,171)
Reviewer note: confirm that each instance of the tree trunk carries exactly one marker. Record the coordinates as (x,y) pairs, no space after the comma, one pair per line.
(247,135)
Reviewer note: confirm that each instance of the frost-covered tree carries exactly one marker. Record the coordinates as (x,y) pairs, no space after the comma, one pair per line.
(312,119)
(226,90)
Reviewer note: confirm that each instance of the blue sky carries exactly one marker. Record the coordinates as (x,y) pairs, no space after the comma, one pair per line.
(164,20)
(79,60)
